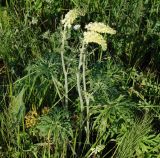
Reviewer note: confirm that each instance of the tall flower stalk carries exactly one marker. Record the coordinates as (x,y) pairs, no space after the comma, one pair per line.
(84,65)
(67,23)
(91,36)
(79,77)
(64,67)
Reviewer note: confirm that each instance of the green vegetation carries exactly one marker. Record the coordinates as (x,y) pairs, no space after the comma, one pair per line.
(79,79)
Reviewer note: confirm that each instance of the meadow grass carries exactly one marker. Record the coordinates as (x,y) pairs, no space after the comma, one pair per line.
(79,79)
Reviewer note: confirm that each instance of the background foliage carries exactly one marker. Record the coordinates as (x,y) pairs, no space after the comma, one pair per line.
(122,82)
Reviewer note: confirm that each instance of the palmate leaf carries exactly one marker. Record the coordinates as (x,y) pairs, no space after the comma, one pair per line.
(114,116)
(42,81)
(57,124)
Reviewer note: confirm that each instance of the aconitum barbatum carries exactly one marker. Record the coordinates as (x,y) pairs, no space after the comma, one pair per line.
(100,28)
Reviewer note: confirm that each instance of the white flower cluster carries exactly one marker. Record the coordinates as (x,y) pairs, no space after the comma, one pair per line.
(100,27)
(71,16)
(93,33)
(94,37)
(93,29)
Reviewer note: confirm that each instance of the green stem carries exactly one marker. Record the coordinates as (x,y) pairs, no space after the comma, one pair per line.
(64,68)
(85,94)
(78,78)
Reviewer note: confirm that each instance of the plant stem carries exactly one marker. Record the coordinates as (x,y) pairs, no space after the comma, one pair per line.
(85,94)
(78,78)
(64,68)
(82,60)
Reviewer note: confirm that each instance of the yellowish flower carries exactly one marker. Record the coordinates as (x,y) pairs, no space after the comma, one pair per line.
(71,16)
(94,37)
(100,27)
(31,118)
